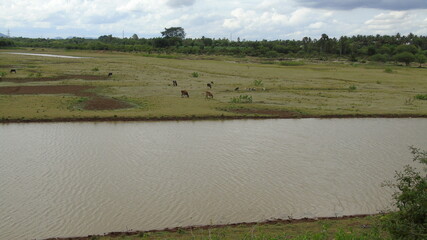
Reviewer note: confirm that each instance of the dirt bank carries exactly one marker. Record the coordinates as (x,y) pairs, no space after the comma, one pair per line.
(176,229)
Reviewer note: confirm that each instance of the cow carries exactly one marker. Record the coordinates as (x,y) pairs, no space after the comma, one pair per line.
(236,89)
(12,70)
(175,84)
(184,93)
(209,85)
(208,95)
(110,74)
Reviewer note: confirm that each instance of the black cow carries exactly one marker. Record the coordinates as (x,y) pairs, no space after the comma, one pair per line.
(175,84)
(110,74)
(209,85)
(12,70)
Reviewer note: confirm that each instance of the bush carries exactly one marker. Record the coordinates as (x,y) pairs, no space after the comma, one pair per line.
(388,70)
(405,57)
(379,58)
(2,74)
(195,74)
(95,69)
(410,221)
(242,99)
(352,88)
(258,83)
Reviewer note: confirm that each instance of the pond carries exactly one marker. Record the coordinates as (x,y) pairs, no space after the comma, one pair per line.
(74,179)
(42,55)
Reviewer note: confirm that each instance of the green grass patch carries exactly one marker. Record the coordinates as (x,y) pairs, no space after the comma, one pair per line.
(291,63)
(241,99)
(421,96)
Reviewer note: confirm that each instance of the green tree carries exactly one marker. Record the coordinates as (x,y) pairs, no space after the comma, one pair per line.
(135,37)
(174,32)
(405,57)
(410,199)
(420,58)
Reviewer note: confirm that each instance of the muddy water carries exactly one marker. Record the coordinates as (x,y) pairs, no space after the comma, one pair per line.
(68,179)
(43,55)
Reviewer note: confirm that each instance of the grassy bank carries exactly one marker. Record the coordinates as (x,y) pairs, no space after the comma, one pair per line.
(141,88)
(362,227)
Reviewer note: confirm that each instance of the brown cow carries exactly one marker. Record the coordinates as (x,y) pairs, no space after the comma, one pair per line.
(175,83)
(184,93)
(208,94)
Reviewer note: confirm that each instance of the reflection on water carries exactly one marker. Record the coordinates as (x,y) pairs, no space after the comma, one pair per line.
(68,179)
(43,55)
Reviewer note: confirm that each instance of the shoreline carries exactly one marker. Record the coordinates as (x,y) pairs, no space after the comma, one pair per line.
(205,227)
(208,118)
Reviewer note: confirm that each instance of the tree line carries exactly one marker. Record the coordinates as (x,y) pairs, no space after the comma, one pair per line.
(380,48)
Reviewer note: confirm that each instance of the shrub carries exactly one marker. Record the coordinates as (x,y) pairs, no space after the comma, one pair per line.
(242,99)
(195,74)
(2,74)
(95,69)
(352,88)
(410,198)
(421,96)
(379,58)
(258,83)
(388,70)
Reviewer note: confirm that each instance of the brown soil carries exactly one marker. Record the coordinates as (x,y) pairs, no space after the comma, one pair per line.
(94,101)
(275,221)
(70,89)
(58,78)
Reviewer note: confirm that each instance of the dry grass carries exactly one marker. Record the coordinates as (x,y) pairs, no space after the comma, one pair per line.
(146,83)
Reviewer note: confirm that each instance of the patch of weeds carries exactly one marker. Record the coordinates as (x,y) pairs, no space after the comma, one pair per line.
(352,88)
(195,74)
(388,70)
(421,96)
(95,69)
(267,62)
(291,63)
(258,83)
(2,74)
(409,101)
(38,75)
(378,82)
(31,75)
(242,99)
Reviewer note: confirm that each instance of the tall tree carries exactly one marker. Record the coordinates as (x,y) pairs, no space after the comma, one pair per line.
(177,32)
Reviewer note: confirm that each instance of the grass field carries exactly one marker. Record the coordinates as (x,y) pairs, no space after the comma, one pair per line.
(359,228)
(141,88)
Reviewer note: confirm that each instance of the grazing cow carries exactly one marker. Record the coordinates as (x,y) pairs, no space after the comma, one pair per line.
(212,82)
(209,85)
(12,70)
(175,84)
(236,89)
(184,93)
(110,74)
(208,94)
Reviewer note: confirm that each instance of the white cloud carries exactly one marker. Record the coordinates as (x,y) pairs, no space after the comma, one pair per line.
(251,19)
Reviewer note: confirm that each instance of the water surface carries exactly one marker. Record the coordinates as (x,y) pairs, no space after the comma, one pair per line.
(74,179)
(43,55)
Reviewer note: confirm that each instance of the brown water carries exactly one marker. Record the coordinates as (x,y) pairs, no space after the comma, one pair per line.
(73,179)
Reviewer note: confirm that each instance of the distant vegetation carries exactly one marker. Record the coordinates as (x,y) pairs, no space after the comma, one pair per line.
(379,48)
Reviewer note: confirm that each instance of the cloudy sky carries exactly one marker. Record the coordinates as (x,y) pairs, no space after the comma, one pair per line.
(251,20)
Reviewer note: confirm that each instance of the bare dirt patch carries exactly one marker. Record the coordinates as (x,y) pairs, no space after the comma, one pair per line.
(57,78)
(94,101)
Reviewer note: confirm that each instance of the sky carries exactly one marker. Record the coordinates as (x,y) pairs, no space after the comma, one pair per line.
(249,20)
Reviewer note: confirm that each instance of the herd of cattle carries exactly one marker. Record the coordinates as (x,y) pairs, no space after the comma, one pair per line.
(184,93)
